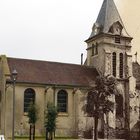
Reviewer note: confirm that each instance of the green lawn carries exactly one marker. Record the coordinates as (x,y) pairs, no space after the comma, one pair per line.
(42,138)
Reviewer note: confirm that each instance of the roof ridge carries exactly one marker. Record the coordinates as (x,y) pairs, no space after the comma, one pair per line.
(106,11)
(54,73)
(49,62)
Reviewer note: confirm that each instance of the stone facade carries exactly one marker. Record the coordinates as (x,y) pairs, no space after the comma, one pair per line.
(69,124)
(112,38)
(108,37)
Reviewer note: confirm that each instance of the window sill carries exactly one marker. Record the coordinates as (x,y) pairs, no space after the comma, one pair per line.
(61,114)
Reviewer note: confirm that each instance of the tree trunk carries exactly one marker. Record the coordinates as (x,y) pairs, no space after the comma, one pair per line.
(96,128)
(102,125)
(107,121)
(30,132)
(93,133)
(33,131)
(54,134)
(46,134)
(51,135)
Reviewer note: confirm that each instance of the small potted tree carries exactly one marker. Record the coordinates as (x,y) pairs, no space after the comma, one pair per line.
(50,121)
(32,115)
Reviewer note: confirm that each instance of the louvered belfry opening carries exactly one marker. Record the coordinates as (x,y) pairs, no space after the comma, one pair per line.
(114,64)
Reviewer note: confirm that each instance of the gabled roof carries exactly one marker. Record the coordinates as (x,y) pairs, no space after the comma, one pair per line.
(53,73)
(107,16)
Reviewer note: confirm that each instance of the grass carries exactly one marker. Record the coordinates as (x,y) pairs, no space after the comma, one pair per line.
(43,138)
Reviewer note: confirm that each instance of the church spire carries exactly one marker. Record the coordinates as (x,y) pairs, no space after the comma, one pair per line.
(108,15)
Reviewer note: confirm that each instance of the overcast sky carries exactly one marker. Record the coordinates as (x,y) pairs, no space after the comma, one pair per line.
(52,30)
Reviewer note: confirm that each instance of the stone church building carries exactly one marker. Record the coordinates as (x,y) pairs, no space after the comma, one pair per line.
(67,85)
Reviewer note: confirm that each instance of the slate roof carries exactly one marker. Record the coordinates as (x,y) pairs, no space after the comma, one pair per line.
(107,16)
(54,73)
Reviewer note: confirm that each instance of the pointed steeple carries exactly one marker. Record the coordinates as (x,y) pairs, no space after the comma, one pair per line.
(108,15)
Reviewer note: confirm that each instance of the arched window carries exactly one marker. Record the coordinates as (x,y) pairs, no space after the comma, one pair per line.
(62,101)
(94,49)
(114,64)
(121,65)
(29,96)
(119,105)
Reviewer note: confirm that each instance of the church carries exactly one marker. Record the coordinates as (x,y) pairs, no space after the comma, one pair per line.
(67,85)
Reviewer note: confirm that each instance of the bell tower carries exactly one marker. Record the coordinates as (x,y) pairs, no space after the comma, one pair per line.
(109,45)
